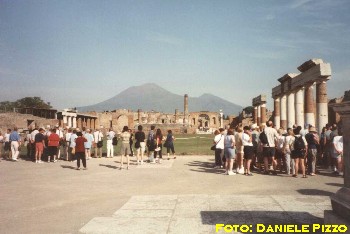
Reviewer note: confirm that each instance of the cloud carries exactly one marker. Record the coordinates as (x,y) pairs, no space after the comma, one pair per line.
(298,3)
(163,38)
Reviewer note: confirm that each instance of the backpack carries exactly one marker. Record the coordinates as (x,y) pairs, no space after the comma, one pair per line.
(115,140)
(263,138)
(299,143)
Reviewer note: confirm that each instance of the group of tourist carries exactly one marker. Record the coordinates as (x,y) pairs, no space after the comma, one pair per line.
(269,150)
(46,145)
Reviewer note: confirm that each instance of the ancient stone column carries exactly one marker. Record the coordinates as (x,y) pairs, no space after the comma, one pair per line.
(309,105)
(277,110)
(341,199)
(255,115)
(263,113)
(259,115)
(69,121)
(284,111)
(176,115)
(186,109)
(290,110)
(74,120)
(139,116)
(79,122)
(299,107)
(321,105)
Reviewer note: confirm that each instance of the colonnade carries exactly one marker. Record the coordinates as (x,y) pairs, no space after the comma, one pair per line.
(71,119)
(294,98)
(259,104)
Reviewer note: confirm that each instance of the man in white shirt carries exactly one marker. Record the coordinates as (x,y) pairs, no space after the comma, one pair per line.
(98,140)
(110,148)
(269,147)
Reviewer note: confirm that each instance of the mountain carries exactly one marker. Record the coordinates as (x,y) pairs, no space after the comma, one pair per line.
(153,97)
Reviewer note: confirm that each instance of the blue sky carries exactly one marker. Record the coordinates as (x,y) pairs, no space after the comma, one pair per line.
(76,53)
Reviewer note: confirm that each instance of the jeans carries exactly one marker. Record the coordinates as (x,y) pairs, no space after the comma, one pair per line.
(218,155)
(311,160)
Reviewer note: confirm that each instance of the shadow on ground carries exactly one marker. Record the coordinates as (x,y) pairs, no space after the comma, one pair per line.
(315,192)
(204,166)
(259,217)
(67,167)
(109,166)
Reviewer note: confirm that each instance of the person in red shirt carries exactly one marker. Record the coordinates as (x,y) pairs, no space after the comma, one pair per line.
(53,144)
(80,150)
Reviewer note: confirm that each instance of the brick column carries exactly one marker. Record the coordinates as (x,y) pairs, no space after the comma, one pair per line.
(263,113)
(284,111)
(277,112)
(309,105)
(255,115)
(321,105)
(299,107)
(259,115)
(290,110)
(186,109)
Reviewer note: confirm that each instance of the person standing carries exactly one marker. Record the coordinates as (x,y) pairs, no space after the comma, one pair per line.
(338,152)
(67,145)
(239,150)
(140,144)
(151,145)
(98,144)
(131,141)
(229,148)
(125,147)
(80,150)
(15,140)
(33,144)
(39,145)
(219,141)
(110,147)
(74,136)
(88,144)
(1,144)
(287,152)
(159,146)
(53,145)
(169,144)
(248,155)
(7,144)
(313,141)
(299,149)
(269,146)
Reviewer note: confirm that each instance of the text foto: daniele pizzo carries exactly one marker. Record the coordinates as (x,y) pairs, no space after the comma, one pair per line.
(281,228)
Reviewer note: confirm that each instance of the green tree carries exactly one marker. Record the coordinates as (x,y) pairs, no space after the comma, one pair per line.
(249,110)
(27,102)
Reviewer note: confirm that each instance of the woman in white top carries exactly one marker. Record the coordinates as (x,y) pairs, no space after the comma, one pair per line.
(338,151)
(219,148)
(248,155)
(229,151)
(279,155)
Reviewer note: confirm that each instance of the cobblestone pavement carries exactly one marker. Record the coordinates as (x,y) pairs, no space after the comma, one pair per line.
(185,195)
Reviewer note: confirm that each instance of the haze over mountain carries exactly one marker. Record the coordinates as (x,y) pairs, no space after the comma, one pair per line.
(153,97)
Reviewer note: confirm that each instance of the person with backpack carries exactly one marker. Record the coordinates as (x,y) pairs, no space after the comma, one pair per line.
(313,141)
(169,144)
(268,138)
(140,144)
(298,151)
(151,145)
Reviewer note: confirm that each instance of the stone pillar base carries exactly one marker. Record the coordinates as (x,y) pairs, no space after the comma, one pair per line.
(332,218)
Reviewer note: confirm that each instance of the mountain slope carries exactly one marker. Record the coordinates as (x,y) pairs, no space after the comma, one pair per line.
(152,97)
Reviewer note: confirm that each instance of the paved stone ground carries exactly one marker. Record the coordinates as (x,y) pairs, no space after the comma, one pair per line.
(185,195)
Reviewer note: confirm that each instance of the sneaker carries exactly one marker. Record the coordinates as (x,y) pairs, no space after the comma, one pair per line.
(40,161)
(231,173)
(54,161)
(36,161)
(78,168)
(241,171)
(48,161)
(141,162)
(85,168)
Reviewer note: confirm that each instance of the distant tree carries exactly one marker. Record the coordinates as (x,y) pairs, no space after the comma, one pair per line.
(27,102)
(249,110)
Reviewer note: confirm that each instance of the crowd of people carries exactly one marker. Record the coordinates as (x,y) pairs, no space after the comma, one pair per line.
(271,151)
(81,145)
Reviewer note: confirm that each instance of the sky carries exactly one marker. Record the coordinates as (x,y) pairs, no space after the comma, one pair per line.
(77,53)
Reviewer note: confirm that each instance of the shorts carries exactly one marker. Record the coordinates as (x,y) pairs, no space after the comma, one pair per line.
(248,152)
(268,151)
(279,154)
(52,150)
(297,154)
(230,153)
(336,155)
(7,146)
(142,147)
(39,147)
(240,149)
(125,149)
